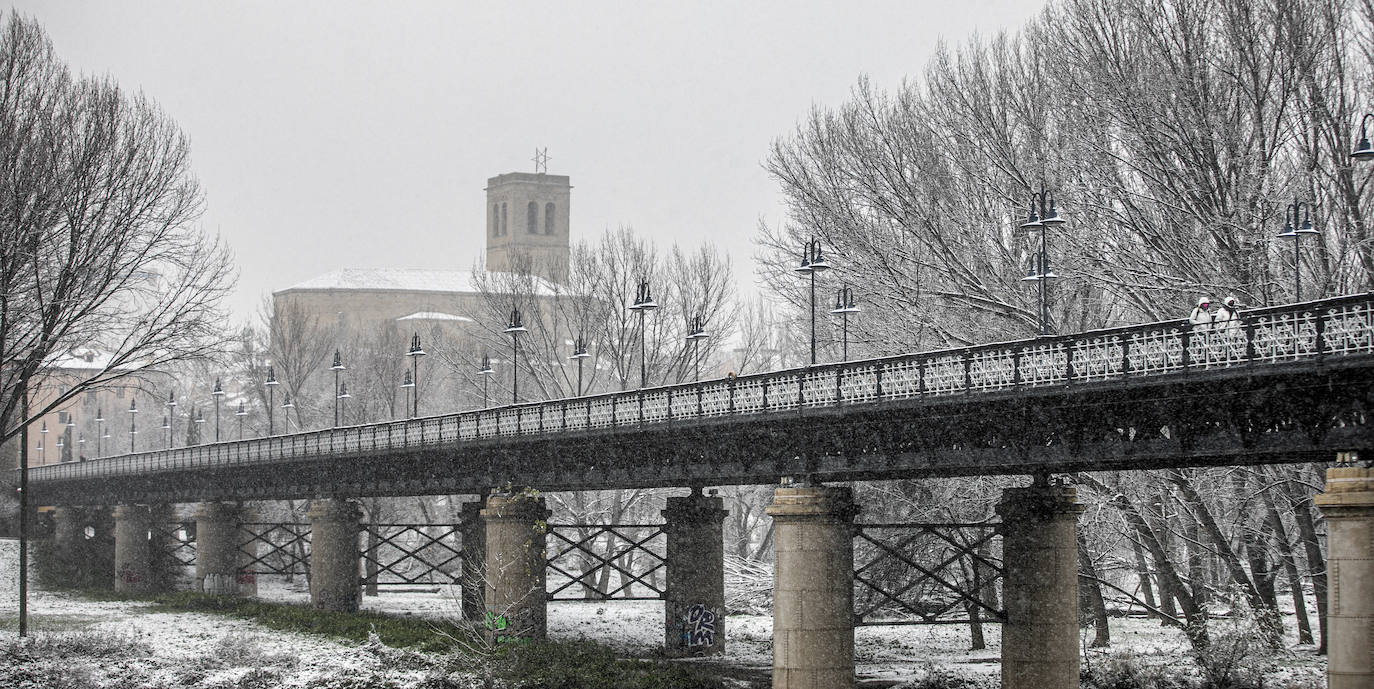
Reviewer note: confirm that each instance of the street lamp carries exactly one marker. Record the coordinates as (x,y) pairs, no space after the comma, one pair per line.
(271,401)
(408,382)
(217,393)
(515,327)
(486,372)
(844,306)
(579,353)
(286,404)
(337,366)
(167,426)
(133,429)
(198,419)
(415,353)
(42,444)
(171,414)
(343,395)
(1040,272)
(644,303)
(812,262)
(695,334)
(1294,231)
(241,413)
(99,431)
(1363,150)
(60,445)
(81,447)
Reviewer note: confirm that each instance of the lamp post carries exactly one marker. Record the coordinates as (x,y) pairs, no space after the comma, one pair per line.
(198,419)
(167,426)
(695,334)
(579,353)
(286,404)
(343,395)
(133,429)
(1364,151)
(515,327)
(1040,272)
(60,445)
(271,388)
(171,414)
(415,353)
(644,303)
(42,443)
(486,372)
(241,413)
(337,366)
(812,262)
(408,382)
(99,431)
(217,393)
(81,447)
(1295,231)
(844,306)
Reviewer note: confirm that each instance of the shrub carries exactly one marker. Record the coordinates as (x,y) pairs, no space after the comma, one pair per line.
(589,665)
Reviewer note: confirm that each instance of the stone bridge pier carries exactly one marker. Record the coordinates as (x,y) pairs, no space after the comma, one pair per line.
(133,549)
(694,600)
(335,582)
(516,605)
(813,587)
(1040,586)
(1348,505)
(223,551)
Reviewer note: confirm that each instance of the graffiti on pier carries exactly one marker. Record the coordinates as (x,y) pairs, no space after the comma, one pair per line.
(498,626)
(701,626)
(129,575)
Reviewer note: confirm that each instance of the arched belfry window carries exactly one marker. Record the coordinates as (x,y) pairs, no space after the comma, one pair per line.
(504,227)
(495,220)
(532,218)
(548,218)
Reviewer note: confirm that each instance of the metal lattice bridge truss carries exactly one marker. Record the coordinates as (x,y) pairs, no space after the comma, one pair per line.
(919,573)
(601,561)
(1285,384)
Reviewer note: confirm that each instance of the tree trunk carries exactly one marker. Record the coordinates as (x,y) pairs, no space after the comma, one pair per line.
(1273,635)
(1142,568)
(1312,551)
(1166,595)
(1090,594)
(1290,567)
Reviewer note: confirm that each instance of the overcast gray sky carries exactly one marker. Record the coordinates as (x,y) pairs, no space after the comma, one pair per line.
(360,135)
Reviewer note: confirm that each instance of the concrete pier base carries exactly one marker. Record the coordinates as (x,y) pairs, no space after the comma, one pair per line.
(335,582)
(813,587)
(474,534)
(222,556)
(68,530)
(516,607)
(1348,505)
(133,552)
(694,604)
(1040,588)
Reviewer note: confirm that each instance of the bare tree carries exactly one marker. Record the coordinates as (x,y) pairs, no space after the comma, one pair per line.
(98,247)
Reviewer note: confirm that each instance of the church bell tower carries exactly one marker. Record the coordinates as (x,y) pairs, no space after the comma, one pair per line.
(527,222)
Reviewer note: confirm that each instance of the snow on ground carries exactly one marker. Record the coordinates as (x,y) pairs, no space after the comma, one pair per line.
(192,649)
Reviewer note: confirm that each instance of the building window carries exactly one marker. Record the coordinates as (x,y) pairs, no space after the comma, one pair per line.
(548,218)
(503,218)
(62,418)
(532,218)
(495,220)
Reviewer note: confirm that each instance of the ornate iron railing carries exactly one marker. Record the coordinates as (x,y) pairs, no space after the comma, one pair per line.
(926,573)
(178,541)
(1338,327)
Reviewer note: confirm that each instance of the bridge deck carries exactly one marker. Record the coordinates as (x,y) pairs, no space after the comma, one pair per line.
(1284,384)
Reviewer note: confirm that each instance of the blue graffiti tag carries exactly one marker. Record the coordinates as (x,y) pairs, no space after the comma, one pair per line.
(701,626)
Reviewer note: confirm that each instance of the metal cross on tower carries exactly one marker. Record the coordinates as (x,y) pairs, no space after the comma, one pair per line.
(541,160)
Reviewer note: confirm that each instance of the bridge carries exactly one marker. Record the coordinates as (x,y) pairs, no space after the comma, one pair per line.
(1283,384)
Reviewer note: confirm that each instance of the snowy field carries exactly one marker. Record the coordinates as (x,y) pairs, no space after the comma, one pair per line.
(198,650)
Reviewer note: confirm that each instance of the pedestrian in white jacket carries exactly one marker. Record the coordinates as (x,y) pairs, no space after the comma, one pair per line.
(1228,316)
(1201,317)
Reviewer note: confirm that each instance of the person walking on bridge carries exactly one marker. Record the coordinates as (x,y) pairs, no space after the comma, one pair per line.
(1228,316)
(1201,317)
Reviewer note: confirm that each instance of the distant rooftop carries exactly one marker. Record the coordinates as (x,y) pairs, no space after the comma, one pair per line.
(400,280)
(433,316)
